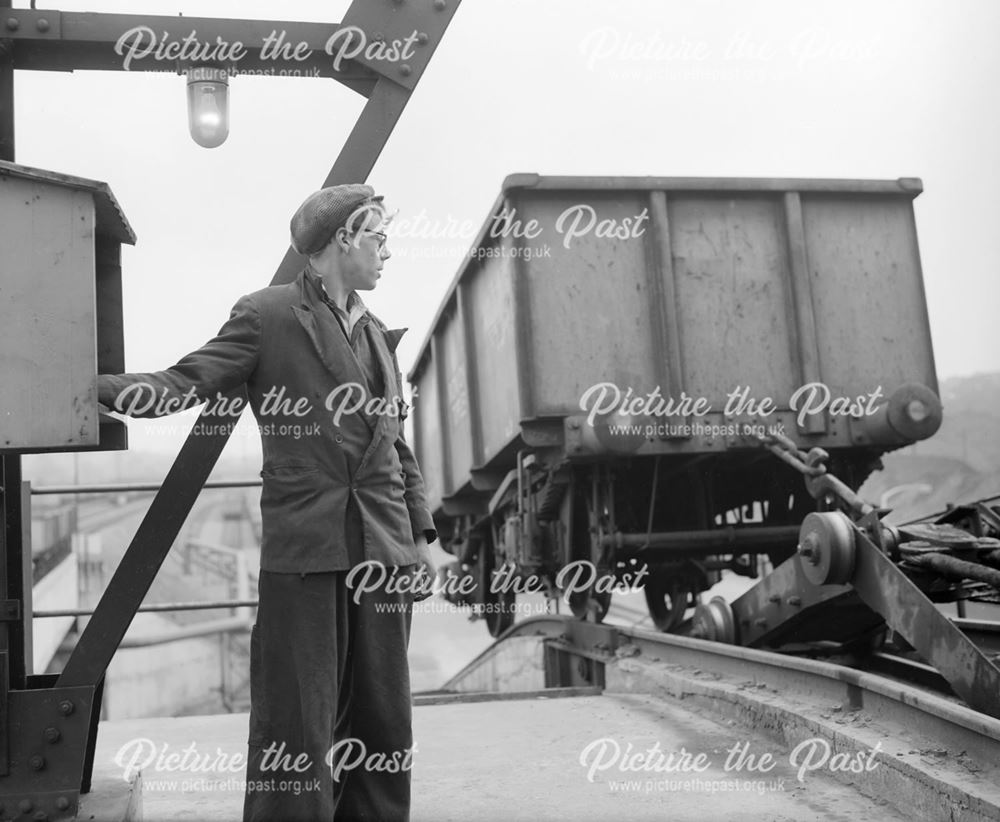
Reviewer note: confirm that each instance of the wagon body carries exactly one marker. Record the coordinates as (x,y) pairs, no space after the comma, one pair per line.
(680,304)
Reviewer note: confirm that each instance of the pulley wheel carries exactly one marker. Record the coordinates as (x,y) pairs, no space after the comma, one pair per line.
(826,548)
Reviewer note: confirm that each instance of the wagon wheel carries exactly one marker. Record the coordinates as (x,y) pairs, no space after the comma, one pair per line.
(583,604)
(588,603)
(667,592)
(499,612)
(498,606)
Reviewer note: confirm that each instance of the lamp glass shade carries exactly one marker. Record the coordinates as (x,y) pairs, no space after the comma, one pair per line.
(208,105)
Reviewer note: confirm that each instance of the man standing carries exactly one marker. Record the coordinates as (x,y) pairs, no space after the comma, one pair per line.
(330,720)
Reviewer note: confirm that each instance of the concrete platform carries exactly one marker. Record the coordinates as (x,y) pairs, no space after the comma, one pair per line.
(112,799)
(517,759)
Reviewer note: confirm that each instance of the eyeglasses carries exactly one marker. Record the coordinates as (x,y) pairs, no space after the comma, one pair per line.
(382,238)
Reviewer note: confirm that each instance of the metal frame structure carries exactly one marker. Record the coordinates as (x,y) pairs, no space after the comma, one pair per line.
(846,578)
(48,724)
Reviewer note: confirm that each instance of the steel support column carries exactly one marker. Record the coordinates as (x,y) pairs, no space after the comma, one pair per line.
(11,548)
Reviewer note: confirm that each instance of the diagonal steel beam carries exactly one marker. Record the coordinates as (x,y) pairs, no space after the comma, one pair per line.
(356,159)
(888,591)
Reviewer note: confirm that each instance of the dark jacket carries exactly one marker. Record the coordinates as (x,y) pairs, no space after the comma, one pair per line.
(284,338)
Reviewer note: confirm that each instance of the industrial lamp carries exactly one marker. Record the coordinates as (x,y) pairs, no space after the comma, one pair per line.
(208,105)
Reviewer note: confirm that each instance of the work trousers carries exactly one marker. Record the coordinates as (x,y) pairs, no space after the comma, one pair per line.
(328,674)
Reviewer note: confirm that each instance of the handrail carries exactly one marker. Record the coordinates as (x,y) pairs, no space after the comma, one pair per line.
(194,631)
(162,606)
(118,488)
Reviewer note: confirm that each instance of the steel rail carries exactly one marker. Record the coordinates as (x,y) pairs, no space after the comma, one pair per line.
(899,664)
(897,667)
(605,643)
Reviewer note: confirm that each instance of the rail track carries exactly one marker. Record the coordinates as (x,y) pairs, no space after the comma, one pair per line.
(893,658)
(936,758)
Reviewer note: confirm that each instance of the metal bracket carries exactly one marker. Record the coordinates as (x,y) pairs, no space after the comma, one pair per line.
(10,610)
(772,611)
(49,731)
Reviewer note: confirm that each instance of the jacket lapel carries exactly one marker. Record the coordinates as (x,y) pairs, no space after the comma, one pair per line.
(377,336)
(329,341)
(337,357)
(392,338)
(383,342)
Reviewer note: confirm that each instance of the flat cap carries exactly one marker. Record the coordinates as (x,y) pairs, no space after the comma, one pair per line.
(324,211)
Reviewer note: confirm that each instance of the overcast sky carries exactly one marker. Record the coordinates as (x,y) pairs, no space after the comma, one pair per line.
(874,89)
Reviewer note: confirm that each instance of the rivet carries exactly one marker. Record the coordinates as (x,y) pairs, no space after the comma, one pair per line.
(422,38)
(40,816)
(62,803)
(25,806)
(378,37)
(405,70)
(66,707)
(13,23)
(796,601)
(774,598)
(42,24)
(37,762)
(439,4)
(760,622)
(52,735)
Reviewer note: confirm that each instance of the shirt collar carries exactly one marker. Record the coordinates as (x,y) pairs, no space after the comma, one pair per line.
(356,307)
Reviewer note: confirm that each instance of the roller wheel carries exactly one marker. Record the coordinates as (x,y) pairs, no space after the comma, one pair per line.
(826,548)
(589,604)
(713,620)
(500,612)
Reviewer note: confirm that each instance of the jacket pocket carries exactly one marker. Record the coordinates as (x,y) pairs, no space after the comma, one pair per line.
(298,509)
(288,487)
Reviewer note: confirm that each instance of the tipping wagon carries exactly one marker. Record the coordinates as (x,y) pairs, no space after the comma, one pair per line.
(605,368)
